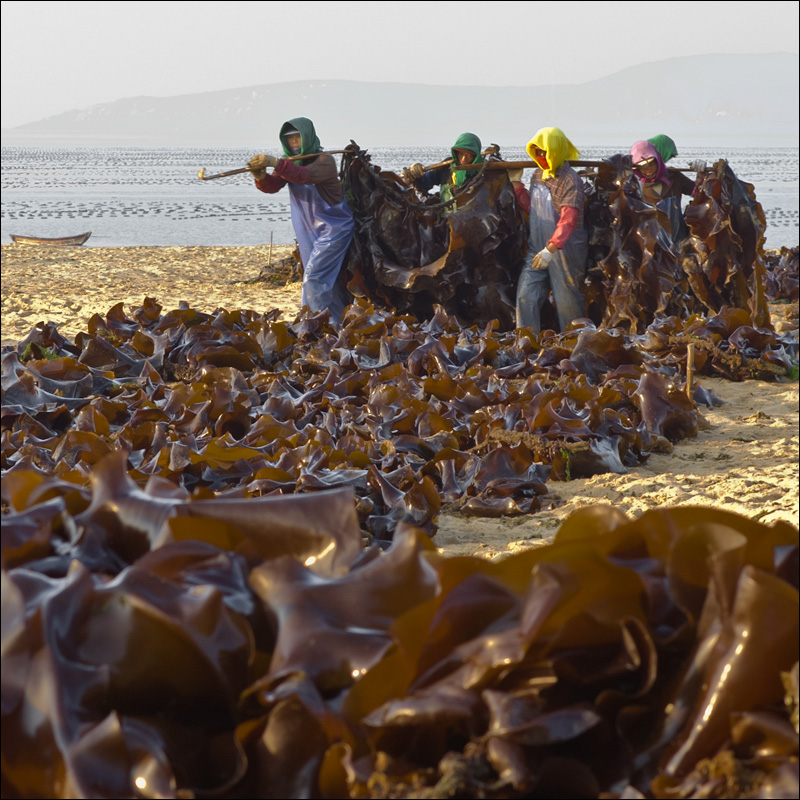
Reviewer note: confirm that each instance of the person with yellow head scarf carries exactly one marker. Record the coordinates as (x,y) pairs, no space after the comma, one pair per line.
(558,246)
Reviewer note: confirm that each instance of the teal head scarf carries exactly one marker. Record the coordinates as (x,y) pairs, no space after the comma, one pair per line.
(305,127)
(467,141)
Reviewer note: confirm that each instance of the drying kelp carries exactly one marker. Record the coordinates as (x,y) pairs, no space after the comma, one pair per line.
(412,416)
(636,271)
(411,253)
(219,648)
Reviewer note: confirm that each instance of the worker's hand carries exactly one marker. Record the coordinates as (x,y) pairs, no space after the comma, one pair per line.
(258,165)
(515,175)
(543,259)
(698,166)
(415,171)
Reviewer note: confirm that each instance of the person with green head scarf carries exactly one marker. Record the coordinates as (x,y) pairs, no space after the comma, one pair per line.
(466,150)
(322,220)
(558,245)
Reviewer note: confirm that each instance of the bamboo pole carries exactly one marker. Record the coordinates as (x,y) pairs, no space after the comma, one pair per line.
(690,370)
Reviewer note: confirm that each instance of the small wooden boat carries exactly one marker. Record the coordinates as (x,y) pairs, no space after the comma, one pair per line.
(61,241)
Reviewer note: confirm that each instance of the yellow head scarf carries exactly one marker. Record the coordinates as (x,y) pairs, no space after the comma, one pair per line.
(558,148)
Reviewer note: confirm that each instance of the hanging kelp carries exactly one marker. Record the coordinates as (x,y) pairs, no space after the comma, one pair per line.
(410,254)
(637,272)
(724,258)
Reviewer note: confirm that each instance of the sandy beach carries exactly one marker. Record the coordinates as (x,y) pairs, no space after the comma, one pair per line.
(746,461)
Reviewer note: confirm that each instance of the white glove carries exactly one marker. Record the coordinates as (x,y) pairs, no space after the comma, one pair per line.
(543,259)
(515,175)
(698,166)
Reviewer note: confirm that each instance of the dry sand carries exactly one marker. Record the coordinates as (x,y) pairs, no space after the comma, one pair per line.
(746,462)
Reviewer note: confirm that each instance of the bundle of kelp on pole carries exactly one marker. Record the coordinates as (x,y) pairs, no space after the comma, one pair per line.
(411,254)
(637,273)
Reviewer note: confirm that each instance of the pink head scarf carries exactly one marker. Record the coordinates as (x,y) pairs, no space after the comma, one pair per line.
(643,150)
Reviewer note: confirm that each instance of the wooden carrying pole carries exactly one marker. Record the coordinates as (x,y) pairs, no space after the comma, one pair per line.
(533,165)
(490,151)
(203,177)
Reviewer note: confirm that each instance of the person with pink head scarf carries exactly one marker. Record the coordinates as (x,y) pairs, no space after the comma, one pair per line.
(660,187)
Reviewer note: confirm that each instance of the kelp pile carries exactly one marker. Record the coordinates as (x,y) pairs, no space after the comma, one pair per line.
(410,254)
(638,273)
(155,646)
(413,416)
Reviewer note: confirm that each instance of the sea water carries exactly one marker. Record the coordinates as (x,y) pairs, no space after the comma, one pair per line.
(132,196)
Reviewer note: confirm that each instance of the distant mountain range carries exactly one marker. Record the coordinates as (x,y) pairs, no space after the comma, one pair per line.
(698,100)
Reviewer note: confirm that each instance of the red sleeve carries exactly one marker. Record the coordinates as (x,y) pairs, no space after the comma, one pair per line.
(566,224)
(271,184)
(320,170)
(292,172)
(523,197)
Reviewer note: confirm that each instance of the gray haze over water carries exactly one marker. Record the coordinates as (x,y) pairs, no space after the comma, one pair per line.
(134,196)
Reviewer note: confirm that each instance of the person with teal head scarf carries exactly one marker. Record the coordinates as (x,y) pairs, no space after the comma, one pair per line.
(466,150)
(322,220)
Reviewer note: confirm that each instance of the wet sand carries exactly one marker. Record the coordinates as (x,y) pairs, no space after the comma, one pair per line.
(746,462)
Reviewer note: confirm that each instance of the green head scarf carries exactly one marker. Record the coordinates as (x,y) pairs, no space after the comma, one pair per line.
(467,141)
(665,146)
(305,127)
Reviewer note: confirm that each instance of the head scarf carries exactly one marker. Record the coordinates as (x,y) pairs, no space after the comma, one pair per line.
(467,141)
(557,147)
(308,136)
(642,151)
(665,146)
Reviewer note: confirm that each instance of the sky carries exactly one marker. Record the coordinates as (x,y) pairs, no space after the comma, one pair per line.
(60,56)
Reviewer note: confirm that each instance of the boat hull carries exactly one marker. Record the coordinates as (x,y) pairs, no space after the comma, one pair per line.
(62,241)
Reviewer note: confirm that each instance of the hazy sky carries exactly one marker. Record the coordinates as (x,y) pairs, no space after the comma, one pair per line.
(58,56)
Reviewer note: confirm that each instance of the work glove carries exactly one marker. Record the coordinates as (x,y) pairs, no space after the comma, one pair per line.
(258,165)
(543,259)
(698,166)
(515,175)
(415,171)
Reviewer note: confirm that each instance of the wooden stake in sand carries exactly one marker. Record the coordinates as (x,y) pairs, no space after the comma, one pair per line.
(689,369)
(269,260)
